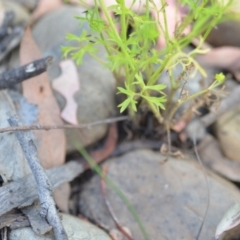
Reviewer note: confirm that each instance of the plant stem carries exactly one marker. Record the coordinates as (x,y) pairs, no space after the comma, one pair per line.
(123,21)
(109,53)
(119,40)
(166,34)
(154,109)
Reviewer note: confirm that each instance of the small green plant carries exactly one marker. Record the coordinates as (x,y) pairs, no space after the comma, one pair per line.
(133,55)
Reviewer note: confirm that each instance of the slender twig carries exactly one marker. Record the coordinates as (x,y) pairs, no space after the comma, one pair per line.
(207,185)
(66,126)
(48,209)
(109,208)
(17,75)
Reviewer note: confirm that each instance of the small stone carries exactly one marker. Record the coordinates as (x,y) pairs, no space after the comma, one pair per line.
(75,229)
(170,198)
(225,34)
(227,129)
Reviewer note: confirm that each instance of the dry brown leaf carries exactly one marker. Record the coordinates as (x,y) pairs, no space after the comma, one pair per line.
(45,6)
(230,220)
(67,85)
(51,144)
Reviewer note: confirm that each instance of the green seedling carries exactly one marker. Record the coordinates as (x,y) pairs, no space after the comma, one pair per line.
(132,56)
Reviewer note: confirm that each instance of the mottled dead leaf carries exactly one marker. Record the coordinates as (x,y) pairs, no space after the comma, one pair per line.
(67,85)
(51,145)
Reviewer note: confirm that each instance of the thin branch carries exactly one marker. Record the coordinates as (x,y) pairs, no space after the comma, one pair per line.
(48,209)
(66,126)
(17,75)
(207,185)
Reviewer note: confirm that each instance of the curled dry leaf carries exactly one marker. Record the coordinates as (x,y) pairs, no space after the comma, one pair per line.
(67,85)
(109,146)
(230,220)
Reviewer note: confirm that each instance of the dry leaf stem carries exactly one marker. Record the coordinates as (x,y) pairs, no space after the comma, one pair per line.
(48,209)
(66,126)
(109,207)
(17,75)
